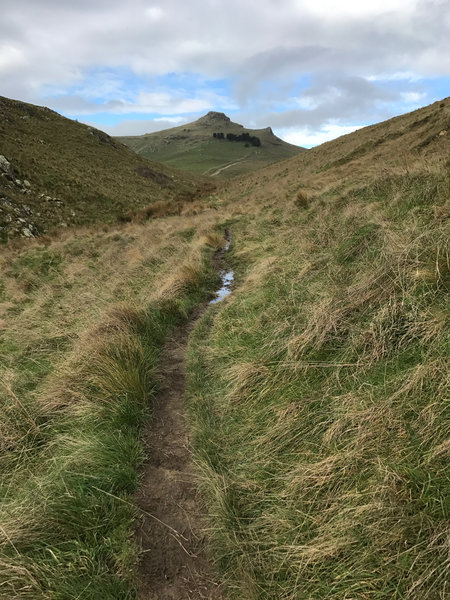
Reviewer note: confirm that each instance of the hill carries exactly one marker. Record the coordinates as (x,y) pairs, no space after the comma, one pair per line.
(58,172)
(317,390)
(214,146)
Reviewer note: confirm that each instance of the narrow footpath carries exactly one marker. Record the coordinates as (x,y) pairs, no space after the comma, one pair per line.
(174,563)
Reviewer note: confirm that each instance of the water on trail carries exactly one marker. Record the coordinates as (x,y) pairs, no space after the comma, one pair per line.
(225,290)
(226,275)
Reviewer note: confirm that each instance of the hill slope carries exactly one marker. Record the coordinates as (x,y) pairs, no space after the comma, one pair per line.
(195,148)
(318,388)
(55,171)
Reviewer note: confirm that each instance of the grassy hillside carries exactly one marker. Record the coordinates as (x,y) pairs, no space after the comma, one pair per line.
(319,390)
(82,321)
(57,172)
(193,147)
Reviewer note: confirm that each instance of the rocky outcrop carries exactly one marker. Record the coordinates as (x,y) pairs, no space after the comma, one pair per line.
(212,118)
(16,219)
(11,177)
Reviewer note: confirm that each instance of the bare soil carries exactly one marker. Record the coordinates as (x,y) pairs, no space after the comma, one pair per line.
(174,563)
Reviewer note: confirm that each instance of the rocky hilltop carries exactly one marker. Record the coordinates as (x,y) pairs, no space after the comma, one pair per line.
(213,145)
(215,118)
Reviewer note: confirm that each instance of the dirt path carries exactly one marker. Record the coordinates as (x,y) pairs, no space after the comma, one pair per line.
(174,564)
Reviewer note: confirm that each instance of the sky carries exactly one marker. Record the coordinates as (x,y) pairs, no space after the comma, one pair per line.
(310,69)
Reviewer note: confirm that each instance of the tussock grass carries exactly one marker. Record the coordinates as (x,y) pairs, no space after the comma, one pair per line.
(301,199)
(79,355)
(319,399)
(317,390)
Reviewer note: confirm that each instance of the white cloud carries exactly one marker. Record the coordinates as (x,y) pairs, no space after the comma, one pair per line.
(333,10)
(139,127)
(394,76)
(174,120)
(10,58)
(349,51)
(159,103)
(412,97)
(154,13)
(308,139)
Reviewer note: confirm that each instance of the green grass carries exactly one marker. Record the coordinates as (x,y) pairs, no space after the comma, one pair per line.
(318,399)
(317,390)
(68,524)
(210,156)
(73,405)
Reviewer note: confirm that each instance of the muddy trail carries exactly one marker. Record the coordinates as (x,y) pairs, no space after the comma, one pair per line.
(174,563)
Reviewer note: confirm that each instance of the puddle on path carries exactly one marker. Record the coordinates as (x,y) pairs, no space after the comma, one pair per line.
(225,290)
(226,275)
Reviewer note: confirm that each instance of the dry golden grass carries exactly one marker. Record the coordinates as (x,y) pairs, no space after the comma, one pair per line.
(301,199)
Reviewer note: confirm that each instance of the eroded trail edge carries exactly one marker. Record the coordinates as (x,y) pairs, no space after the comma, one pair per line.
(174,563)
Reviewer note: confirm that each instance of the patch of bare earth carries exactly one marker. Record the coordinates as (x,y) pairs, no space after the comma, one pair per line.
(174,563)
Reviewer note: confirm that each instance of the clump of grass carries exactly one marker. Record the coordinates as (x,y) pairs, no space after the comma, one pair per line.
(301,199)
(215,240)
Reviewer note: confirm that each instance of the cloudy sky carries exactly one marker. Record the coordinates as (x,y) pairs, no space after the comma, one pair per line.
(311,69)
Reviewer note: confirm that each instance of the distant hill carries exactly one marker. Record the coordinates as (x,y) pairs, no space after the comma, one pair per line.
(58,172)
(213,146)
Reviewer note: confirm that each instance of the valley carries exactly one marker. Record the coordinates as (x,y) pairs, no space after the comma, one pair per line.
(305,412)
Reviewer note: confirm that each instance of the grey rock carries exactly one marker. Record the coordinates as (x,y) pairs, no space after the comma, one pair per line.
(5,165)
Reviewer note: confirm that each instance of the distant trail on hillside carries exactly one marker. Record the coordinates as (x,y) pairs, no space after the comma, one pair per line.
(223,167)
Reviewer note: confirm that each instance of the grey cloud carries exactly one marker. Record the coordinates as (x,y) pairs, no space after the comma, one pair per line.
(342,99)
(144,126)
(263,47)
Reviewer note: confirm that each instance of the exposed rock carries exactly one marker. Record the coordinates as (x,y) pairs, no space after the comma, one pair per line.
(5,165)
(213,117)
(15,219)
